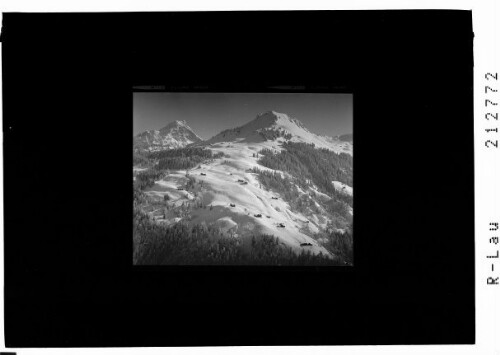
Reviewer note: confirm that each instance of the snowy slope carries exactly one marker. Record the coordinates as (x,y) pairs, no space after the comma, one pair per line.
(221,188)
(176,134)
(252,132)
(346,189)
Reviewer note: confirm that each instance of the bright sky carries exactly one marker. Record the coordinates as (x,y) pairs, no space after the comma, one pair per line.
(209,113)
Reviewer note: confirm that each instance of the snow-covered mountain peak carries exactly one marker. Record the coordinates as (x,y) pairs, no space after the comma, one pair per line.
(274,120)
(176,134)
(277,127)
(176,124)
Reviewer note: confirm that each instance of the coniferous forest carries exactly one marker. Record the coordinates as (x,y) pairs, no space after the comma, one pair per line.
(180,158)
(302,177)
(181,244)
(305,161)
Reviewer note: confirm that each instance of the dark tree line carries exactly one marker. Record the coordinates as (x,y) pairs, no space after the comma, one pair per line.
(276,182)
(321,166)
(140,158)
(230,131)
(182,158)
(341,244)
(184,152)
(178,163)
(298,201)
(147,178)
(182,244)
(271,134)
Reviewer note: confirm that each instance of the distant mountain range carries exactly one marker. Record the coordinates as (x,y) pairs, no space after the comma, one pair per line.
(176,134)
(270,125)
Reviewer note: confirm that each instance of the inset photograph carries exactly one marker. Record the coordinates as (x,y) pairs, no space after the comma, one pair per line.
(243,179)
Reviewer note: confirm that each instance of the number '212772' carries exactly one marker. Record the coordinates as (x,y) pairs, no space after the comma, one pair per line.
(489,103)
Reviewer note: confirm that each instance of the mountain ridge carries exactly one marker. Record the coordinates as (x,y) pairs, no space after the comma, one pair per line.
(266,126)
(176,134)
(273,125)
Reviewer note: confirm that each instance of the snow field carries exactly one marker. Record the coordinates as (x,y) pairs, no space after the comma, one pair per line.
(221,188)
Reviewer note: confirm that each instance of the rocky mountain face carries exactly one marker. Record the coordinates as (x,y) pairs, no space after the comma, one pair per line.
(176,134)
